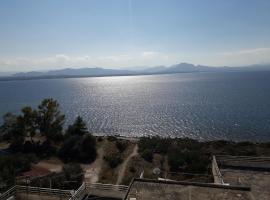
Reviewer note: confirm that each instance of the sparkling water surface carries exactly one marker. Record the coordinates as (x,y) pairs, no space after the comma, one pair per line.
(206,106)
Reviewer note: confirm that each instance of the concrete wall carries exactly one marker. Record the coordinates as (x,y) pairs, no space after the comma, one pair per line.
(24,196)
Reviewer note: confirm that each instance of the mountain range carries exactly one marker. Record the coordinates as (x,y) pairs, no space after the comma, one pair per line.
(97,71)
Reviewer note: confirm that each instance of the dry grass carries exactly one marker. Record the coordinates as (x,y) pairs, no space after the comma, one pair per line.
(52,164)
(4,145)
(107,174)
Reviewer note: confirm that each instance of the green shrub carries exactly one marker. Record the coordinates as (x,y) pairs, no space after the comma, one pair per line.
(147,155)
(73,174)
(78,149)
(176,160)
(132,169)
(121,145)
(155,144)
(113,160)
(12,166)
(111,138)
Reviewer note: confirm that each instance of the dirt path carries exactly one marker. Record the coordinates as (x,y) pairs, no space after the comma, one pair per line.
(122,170)
(52,164)
(92,170)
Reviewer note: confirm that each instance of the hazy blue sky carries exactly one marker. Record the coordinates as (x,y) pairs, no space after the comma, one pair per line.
(47,34)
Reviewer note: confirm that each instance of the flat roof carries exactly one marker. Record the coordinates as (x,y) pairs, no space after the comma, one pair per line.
(253,172)
(141,189)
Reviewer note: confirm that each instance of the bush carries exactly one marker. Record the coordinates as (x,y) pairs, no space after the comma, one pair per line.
(73,174)
(176,160)
(112,138)
(132,169)
(155,144)
(11,166)
(71,178)
(46,149)
(147,155)
(78,149)
(69,149)
(16,145)
(88,149)
(113,160)
(121,145)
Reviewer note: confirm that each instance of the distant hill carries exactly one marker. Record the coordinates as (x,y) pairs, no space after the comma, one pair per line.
(97,71)
(74,72)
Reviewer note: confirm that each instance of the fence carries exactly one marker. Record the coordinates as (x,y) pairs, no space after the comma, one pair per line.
(101,186)
(244,162)
(9,193)
(106,190)
(34,190)
(80,193)
(103,190)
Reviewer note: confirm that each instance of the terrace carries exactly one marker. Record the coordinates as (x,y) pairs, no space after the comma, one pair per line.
(234,178)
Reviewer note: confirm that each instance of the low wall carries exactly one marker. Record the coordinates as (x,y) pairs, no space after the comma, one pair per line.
(25,196)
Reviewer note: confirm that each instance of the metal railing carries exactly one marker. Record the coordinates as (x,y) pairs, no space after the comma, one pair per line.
(80,193)
(216,172)
(46,191)
(9,193)
(100,186)
(34,190)
(244,162)
(243,158)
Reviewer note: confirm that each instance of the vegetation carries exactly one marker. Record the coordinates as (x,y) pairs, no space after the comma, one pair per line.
(121,145)
(39,132)
(147,155)
(79,145)
(78,149)
(192,156)
(36,134)
(50,120)
(113,159)
(78,128)
(71,177)
(11,166)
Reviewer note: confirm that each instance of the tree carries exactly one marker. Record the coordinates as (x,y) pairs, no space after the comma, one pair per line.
(147,155)
(11,166)
(50,119)
(17,136)
(113,159)
(9,123)
(28,121)
(73,175)
(78,149)
(70,149)
(78,127)
(88,149)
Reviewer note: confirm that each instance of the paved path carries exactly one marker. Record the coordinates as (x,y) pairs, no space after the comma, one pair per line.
(122,170)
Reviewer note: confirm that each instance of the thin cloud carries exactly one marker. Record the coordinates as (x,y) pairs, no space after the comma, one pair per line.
(256,51)
(63,61)
(144,58)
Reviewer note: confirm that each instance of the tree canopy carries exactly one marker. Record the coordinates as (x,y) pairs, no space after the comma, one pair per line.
(78,127)
(50,119)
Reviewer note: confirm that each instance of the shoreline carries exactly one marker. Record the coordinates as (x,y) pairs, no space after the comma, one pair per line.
(137,138)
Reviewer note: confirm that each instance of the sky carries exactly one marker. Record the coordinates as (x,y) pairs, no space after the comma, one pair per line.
(55,34)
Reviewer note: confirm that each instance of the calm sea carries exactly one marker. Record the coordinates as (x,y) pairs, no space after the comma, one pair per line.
(232,105)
